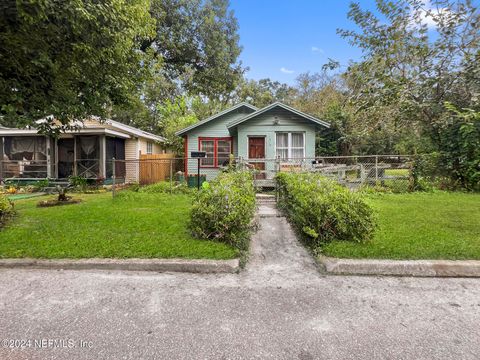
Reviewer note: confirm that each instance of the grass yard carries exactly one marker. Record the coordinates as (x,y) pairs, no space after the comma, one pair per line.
(131,225)
(420,226)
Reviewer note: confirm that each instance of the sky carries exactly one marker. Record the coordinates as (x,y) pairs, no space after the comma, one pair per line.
(283,38)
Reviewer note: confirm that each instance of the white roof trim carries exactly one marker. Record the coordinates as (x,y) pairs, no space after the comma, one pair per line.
(34,132)
(134,131)
(226,111)
(19,132)
(124,131)
(271,106)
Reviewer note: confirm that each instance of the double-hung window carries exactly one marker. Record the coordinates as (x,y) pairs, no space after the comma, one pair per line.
(290,145)
(217,151)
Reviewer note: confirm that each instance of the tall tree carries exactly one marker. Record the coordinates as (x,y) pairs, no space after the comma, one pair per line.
(70,58)
(262,92)
(419,55)
(195,55)
(197,42)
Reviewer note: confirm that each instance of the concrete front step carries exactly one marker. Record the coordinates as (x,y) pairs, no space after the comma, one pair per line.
(267,206)
(265,196)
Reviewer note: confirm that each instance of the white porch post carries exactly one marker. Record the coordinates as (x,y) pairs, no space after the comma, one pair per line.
(103,155)
(48,142)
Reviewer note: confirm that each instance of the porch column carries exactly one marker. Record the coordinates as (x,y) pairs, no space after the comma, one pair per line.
(49,140)
(1,158)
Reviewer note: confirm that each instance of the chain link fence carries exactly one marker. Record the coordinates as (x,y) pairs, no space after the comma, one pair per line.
(393,172)
(153,170)
(389,171)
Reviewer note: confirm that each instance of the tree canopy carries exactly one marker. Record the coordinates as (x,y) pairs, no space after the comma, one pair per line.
(70,59)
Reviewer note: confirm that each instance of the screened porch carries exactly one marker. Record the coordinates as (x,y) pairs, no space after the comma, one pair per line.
(41,157)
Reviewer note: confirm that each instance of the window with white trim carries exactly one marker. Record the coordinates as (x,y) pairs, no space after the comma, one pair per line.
(149,147)
(217,151)
(290,145)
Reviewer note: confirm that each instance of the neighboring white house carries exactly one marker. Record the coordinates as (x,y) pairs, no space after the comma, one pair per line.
(87,151)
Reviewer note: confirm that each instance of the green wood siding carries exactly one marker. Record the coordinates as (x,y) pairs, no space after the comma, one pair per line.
(214,128)
(263,125)
(266,125)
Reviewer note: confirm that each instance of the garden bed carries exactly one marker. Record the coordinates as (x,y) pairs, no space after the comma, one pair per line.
(133,225)
(436,225)
(55,202)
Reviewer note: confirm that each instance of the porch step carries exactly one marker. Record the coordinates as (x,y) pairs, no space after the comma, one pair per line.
(264,183)
(265,199)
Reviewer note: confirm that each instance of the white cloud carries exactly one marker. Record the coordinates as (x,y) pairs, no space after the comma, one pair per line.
(317,50)
(429,12)
(286,71)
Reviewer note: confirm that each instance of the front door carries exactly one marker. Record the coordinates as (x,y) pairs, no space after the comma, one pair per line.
(256,150)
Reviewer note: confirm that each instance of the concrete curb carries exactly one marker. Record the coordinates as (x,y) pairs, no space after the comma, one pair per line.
(158,265)
(420,268)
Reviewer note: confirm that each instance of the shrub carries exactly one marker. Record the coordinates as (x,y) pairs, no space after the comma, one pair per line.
(165,187)
(224,209)
(6,209)
(40,185)
(456,163)
(323,210)
(78,182)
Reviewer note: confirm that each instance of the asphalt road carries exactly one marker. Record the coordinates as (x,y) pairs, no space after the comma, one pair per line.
(280,307)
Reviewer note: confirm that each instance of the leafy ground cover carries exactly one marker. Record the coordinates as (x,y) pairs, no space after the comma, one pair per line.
(133,224)
(439,225)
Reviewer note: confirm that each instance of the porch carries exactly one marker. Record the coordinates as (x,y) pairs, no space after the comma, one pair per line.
(36,157)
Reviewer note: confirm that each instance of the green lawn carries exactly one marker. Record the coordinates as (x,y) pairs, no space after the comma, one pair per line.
(420,226)
(137,225)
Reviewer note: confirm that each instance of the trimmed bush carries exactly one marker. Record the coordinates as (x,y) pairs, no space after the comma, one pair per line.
(6,209)
(224,208)
(323,210)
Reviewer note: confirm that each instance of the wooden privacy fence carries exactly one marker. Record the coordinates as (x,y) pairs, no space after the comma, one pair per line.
(156,167)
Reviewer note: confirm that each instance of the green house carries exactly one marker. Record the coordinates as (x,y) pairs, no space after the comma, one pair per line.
(276,135)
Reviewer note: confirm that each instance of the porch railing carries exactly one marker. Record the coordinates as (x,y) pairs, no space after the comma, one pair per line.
(23,169)
(87,168)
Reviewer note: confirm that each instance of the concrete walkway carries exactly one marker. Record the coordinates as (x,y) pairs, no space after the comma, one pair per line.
(276,255)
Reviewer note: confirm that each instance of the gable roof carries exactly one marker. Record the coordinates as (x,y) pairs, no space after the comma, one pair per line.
(274,105)
(213,117)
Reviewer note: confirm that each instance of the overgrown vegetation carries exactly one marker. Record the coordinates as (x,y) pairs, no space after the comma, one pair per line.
(457,163)
(224,208)
(323,210)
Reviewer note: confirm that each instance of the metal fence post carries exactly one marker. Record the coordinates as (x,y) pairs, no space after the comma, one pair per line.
(376,170)
(171,176)
(113,177)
